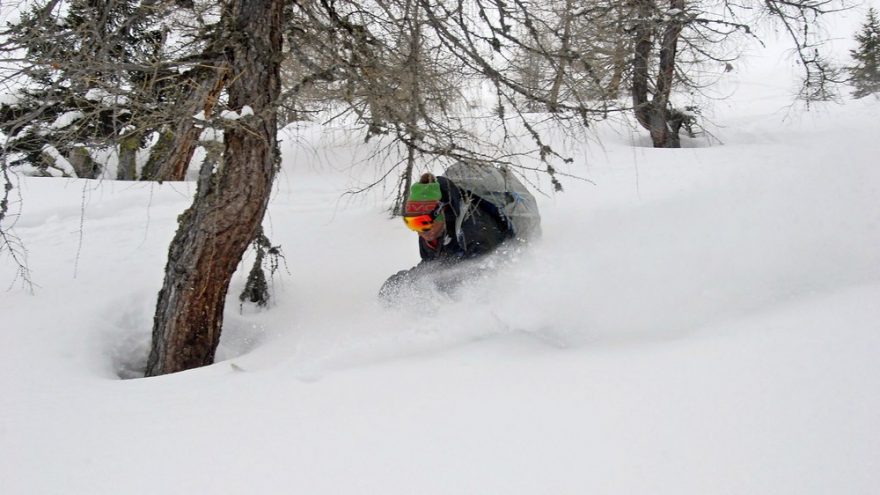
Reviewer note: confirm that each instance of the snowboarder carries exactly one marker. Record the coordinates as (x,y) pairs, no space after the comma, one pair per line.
(451,228)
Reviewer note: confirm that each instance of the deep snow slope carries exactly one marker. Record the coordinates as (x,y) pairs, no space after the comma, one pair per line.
(702,320)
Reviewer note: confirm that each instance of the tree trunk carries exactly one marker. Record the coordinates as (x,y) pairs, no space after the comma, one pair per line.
(230,200)
(564,54)
(171,156)
(654,114)
(665,132)
(128,146)
(618,66)
(158,153)
(83,163)
(204,98)
(643,44)
(414,66)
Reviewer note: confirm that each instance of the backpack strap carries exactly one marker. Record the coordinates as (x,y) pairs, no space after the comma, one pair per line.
(451,196)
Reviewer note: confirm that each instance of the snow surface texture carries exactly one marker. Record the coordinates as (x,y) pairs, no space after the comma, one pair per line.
(700,321)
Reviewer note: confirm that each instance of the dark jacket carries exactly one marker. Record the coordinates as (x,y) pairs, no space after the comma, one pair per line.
(474,227)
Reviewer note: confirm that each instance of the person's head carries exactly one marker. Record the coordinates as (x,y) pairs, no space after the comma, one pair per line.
(424,211)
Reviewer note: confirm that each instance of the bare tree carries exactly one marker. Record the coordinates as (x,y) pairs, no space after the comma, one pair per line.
(655,113)
(653,46)
(231,199)
(801,20)
(703,28)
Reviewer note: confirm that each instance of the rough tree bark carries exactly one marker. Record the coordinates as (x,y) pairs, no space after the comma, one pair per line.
(230,201)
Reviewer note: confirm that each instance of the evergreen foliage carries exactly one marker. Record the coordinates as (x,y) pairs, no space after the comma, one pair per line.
(83,85)
(865,75)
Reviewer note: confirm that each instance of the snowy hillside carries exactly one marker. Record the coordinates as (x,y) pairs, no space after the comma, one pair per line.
(703,320)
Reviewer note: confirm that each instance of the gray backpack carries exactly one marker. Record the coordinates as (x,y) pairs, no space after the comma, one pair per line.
(500,187)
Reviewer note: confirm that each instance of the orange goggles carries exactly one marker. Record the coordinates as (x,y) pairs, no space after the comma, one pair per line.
(421,223)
